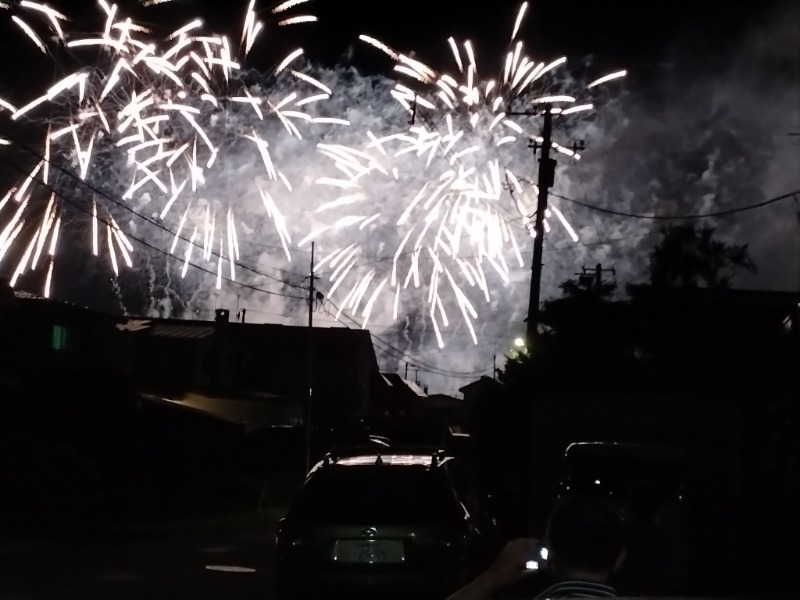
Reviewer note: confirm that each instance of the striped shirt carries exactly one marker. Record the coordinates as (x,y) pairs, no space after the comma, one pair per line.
(578,589)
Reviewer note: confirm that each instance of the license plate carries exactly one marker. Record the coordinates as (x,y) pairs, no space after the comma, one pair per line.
(368,551)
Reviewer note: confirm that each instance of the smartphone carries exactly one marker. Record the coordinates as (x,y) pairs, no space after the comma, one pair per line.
(537,559)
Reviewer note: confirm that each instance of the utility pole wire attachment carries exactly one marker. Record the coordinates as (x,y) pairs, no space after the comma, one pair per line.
(413,119)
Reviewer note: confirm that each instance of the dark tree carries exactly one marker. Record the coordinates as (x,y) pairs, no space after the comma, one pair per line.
(691,256)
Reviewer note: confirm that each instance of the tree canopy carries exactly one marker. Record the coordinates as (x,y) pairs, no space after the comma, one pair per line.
(692,256)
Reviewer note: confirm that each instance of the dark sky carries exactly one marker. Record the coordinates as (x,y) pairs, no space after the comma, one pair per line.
(617,33)
(638,36)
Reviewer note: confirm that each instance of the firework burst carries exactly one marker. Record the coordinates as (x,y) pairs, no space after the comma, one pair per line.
(151,118)
(450,183)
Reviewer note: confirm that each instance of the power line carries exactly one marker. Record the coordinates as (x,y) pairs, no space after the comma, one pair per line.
(84,210)
(653,217)
(126,207)
(399,354)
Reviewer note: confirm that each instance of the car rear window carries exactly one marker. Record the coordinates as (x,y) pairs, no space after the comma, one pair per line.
(665,478)
(394,495)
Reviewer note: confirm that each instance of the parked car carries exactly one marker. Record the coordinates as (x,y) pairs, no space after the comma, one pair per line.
(393,518)
(650,487)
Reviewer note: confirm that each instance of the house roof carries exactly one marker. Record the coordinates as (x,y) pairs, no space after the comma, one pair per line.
(404,386)
(182,331)
(276,356)
(443,401)
(484,381)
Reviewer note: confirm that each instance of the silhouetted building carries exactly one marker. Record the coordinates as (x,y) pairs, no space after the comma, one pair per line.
(260,370)
(54,343)
(268,364)
(408,413)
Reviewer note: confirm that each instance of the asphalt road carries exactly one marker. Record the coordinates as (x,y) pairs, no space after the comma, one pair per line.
(236,565)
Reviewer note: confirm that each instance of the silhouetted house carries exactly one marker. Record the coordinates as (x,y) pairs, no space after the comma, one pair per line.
(204,364)
(54,343)
(400,401)
(475,391)
(743,340)
(260,369)
(407,413)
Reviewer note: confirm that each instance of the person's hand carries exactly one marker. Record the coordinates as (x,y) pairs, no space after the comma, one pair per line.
(509,566)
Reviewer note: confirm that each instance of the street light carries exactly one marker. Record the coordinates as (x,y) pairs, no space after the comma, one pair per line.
(519,342)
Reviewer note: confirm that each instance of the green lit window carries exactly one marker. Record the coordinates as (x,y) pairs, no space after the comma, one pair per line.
(59,337)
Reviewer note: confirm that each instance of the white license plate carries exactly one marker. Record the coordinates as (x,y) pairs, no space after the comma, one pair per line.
(368,551)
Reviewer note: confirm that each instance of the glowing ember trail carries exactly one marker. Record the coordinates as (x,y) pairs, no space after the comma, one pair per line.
(145,119)
(451,184)
(422,208)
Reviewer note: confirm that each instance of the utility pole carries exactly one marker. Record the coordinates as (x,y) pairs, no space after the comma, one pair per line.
(594,280)
(796,198)
(547,168)
(310,365)
(547,175)
(494,367)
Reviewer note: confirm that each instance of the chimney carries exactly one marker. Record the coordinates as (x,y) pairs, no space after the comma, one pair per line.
(222,315)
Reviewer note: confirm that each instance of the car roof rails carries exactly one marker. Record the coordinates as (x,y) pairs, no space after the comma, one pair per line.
(625,450)
(437,455)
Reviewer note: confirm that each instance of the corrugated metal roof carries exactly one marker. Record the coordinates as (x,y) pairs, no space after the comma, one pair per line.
(182,331)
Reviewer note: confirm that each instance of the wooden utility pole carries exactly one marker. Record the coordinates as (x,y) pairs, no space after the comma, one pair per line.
(547,176)
(547,169)
(547,173)
(310,362)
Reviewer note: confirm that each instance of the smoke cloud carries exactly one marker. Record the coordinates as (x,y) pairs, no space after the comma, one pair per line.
(709,132)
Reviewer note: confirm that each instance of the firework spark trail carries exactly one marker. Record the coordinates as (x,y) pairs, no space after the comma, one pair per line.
(190,141)
(159,112)
(461,226)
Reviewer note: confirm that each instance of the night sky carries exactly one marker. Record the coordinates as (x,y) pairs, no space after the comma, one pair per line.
(682,101)
(618,33)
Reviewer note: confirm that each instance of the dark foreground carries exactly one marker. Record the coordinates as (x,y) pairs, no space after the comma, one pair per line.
(222,565)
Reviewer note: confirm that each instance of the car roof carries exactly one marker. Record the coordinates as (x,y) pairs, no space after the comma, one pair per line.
(624,450)
(389,457)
